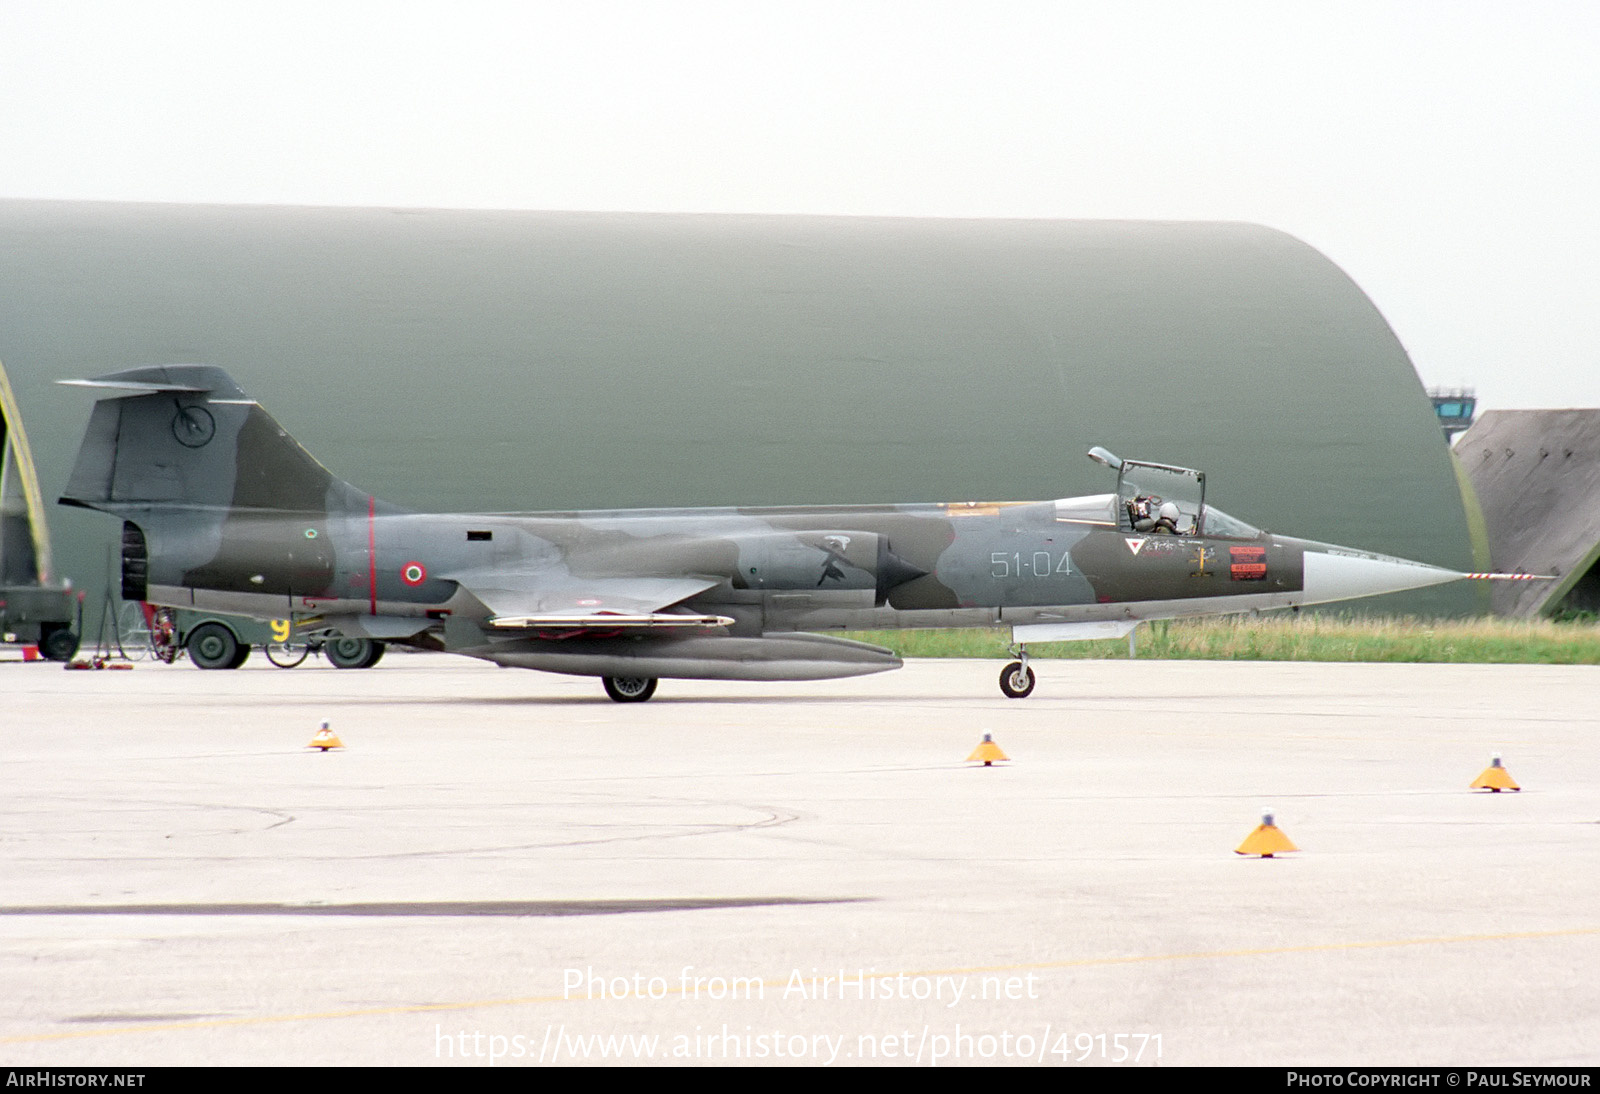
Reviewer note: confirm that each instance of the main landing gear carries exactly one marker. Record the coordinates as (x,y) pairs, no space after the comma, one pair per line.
(1016,679)
(353,653)
(629,689)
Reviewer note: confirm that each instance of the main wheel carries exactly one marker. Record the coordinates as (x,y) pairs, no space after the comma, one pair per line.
(629,689)
(352,653)
(1016,680)
(214,646)
(59,645)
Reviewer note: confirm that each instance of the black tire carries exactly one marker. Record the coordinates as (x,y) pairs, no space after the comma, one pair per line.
(1016,681)
(377,655)
(214,646)
(59,645)
(351,653)
(242,656)
(629,689)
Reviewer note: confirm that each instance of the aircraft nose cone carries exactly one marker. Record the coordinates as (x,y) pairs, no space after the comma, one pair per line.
(1338,573)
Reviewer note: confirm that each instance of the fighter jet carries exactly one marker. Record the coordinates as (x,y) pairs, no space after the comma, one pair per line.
(223,511)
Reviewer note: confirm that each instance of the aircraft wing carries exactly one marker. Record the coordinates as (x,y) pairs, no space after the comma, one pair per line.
(540,602)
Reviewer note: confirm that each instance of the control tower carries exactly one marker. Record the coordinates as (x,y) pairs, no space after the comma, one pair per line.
(1455,407)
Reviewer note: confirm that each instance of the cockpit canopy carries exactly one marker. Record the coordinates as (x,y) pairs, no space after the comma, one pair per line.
(1154,499)
(1107,511)
(1159,498)
(1219,524)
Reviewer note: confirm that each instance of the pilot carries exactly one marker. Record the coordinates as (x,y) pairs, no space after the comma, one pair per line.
(1166,520)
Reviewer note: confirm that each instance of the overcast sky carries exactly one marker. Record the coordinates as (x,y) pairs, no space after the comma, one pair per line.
(1445,154)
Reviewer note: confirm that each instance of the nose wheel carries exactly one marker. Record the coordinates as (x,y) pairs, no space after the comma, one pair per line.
(1016,679)
(629,689)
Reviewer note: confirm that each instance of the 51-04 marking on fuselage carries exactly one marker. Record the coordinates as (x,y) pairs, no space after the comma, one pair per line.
(1021,564)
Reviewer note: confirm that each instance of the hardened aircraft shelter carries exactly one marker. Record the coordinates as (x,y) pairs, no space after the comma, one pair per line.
(476,360)
(1537,475)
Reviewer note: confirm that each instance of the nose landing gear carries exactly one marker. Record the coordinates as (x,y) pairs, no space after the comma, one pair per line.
(629,689)
(1016,679)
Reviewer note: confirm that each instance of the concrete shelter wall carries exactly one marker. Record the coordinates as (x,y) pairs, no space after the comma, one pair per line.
(1537,476)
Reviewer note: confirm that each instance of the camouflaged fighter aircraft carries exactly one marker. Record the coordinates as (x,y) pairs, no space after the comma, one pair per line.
(223,511)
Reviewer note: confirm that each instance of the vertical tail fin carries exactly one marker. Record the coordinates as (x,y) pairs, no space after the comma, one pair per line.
(187,436)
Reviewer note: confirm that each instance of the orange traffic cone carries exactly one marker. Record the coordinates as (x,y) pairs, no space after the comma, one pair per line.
(1495,777)
(987,751)
(1266,841)
(325,739)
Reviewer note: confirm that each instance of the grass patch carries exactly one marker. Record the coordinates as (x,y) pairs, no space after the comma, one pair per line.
(1290,638)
